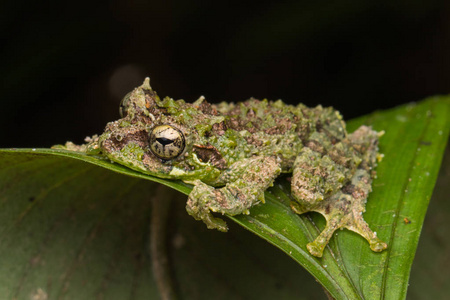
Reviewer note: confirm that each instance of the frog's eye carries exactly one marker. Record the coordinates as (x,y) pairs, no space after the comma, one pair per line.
(124,104)
(166,142)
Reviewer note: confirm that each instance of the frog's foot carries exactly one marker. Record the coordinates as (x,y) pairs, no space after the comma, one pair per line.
(198,206)
(231,200)
(91,147)
(355,223)
(338,214)
(341,210)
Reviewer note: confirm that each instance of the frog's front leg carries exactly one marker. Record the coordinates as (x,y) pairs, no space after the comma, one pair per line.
(245,183)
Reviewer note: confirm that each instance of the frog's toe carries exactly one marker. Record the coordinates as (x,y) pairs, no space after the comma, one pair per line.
(205,215)
(361,227)
(315,249)
(215,223)
(378,246)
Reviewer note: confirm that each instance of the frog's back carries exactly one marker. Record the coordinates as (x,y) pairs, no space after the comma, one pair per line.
(276,128)
(271,117)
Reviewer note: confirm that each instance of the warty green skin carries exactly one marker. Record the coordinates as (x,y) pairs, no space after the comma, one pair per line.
(234,152)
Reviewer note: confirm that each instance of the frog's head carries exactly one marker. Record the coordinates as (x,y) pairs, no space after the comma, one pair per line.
(158,137)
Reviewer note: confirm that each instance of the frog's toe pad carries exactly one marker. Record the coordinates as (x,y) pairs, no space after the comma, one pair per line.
(214,223)
(378,246)
(315,249)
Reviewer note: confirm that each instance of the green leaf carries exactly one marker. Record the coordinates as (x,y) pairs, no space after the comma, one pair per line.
(71,228)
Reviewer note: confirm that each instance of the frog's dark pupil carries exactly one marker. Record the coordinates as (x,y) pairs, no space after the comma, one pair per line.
(164,141)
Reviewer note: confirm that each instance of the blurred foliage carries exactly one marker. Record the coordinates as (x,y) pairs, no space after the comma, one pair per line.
(430,274)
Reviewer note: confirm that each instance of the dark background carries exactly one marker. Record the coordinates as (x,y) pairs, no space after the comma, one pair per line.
(65,66)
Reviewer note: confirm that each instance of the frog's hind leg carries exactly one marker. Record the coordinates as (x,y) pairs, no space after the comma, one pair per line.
(315,178)
(336,181)
(344,209)
(245,183)
(364,138)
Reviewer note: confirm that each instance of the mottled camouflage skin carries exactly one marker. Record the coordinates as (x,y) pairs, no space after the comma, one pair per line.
(234,152)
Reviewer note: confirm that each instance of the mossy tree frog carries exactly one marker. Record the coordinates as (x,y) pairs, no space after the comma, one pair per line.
(232,153)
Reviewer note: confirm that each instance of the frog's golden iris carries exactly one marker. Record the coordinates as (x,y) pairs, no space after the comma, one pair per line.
(166,142)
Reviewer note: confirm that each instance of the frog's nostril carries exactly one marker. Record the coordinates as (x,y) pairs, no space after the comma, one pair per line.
(119,137)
